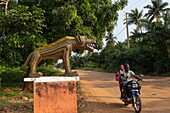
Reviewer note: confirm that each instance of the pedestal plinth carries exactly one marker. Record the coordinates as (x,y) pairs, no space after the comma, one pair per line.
(55,95)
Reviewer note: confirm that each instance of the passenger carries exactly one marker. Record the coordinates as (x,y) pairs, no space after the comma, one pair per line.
(121,69)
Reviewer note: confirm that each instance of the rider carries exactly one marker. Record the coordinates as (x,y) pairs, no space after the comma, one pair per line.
(126,77)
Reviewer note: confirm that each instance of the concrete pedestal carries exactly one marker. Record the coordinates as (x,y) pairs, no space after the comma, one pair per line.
(55,95)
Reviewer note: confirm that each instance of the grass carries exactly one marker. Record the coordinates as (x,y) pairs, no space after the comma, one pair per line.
(8,94)
(2,103)
(12,99)
(166,74)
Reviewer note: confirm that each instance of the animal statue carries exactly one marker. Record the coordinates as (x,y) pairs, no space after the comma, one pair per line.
(60,49)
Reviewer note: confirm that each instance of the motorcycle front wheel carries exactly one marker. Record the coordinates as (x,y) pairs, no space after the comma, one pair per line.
(137,103)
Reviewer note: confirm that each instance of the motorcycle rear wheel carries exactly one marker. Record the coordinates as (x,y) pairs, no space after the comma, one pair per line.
(137,103)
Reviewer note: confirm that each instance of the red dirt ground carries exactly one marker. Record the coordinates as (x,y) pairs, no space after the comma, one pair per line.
(102,94)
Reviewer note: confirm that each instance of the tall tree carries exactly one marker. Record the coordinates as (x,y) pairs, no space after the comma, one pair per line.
(23,27)
(135,35)
(135,17)
(156,10)
(87,17)
(110,39)
(28,27)
(166,18)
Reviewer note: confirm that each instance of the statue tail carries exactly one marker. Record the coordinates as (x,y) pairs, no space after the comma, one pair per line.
(27,60)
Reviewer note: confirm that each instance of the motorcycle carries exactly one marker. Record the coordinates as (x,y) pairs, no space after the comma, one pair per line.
(133,95)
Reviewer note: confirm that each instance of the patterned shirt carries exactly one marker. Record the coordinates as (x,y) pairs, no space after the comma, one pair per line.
(126,76)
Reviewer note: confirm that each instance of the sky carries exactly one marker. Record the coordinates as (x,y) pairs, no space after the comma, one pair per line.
(120,29)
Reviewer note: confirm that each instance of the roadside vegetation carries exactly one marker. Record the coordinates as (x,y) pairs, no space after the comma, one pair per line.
(149,51)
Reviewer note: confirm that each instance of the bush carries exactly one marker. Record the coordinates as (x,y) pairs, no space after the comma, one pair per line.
(13,77)
(12,74)
(50,71)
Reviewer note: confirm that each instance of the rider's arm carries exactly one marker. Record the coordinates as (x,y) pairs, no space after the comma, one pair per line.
(122,76)
(133,74)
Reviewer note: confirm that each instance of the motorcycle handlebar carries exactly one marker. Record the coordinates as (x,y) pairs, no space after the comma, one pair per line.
(140,80)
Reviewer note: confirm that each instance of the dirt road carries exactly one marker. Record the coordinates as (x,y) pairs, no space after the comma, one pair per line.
(102,94)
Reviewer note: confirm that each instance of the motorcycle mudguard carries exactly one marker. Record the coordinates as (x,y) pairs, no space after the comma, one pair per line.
(136,92)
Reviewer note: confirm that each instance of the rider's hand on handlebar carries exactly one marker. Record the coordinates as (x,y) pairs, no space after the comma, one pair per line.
(140,79)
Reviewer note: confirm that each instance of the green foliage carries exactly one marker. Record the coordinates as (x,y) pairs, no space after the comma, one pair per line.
(8,94)
(28,94)
(142,59)
(149,51)
(156,10)
(162,65)
(66,21)
(77,61)
(49,71)
(135,17)
(89,18)
(33,23)
(158,36)
(13,77)
(23,32)
(2,103)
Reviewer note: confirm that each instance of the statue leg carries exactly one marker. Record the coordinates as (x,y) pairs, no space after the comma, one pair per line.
(33,65)
(66,60)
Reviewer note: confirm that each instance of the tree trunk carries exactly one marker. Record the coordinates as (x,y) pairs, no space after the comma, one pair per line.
(6,6)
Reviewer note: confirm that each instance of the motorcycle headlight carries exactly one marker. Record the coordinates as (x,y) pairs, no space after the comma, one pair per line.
(134,85)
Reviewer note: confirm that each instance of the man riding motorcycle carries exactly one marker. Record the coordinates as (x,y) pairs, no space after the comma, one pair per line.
(126,76)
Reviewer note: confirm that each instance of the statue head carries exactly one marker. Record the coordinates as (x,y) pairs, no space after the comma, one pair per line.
(85,43)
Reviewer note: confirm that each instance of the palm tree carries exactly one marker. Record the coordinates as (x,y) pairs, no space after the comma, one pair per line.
(156,10)
(135,18)
(110,39)
(166,19)
(135,35)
